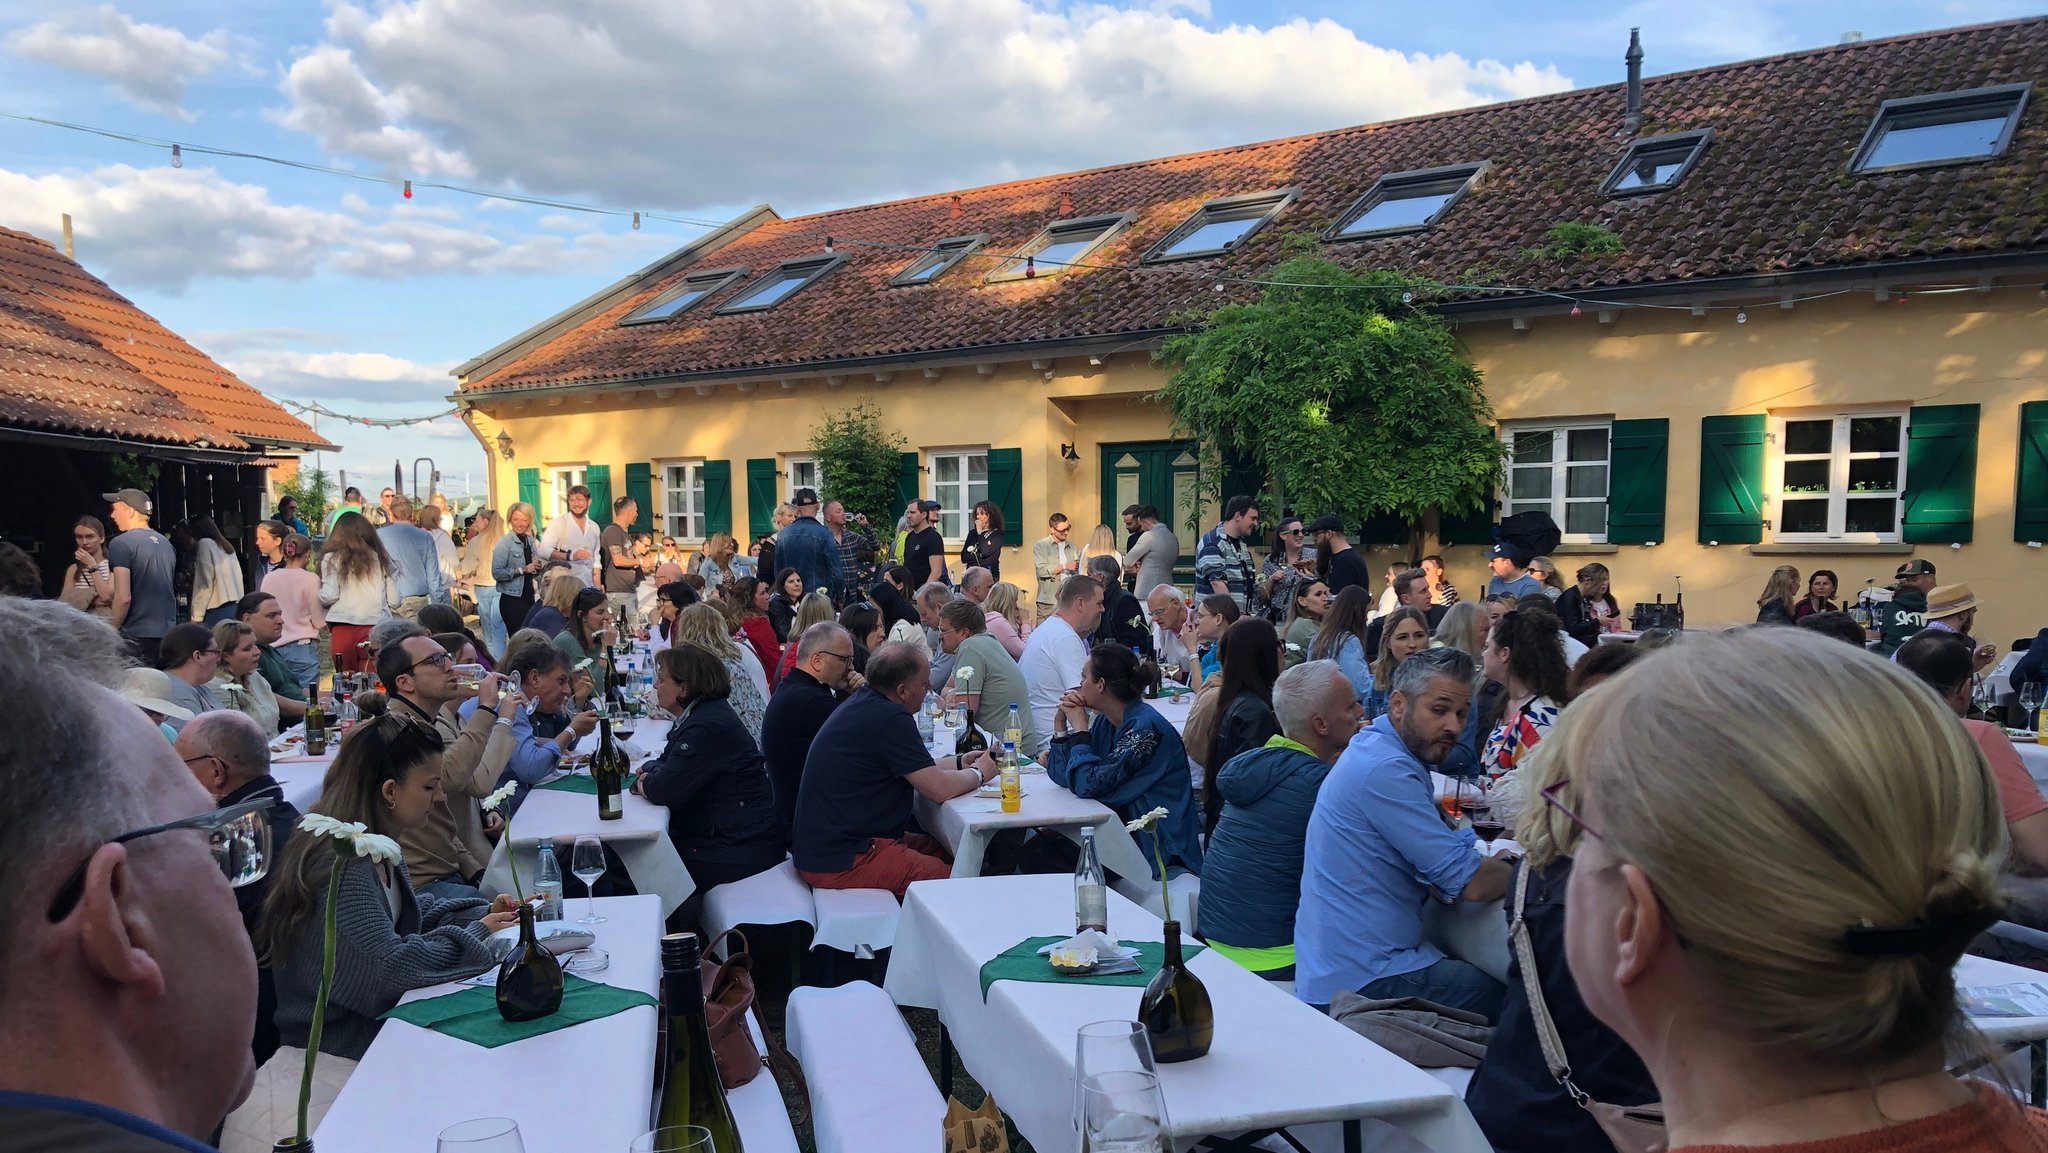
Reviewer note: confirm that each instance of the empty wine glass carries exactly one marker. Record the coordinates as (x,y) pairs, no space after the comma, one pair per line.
(674,1139)
(1123,1111)
(2030,702)
(586,860)
(1107,1047)
(482,1135)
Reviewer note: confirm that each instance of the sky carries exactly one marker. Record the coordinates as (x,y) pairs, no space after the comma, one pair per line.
(337,289)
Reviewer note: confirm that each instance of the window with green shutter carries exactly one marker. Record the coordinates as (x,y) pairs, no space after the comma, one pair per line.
(1941,473)
(1731,479)
(762,496)
(640,486)
(1635,497)
(717,476)
(529,489)
(1006,489)
(598,479)
(2030,489)
(908,486)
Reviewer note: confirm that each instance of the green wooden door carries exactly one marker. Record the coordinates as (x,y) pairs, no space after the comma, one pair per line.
(1164,474)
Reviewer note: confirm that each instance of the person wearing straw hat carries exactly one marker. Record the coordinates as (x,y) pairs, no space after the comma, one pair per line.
(150,690)
(1953,609)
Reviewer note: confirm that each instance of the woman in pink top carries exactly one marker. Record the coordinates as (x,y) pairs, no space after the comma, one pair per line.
(297,590)
(1004,621)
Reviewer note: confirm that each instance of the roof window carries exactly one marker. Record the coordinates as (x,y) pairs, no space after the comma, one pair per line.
(942,256)
(1063,244)
(1406,201)
(680,299)
(1219,226)
(1949,128)
(783,282)
(1655,163)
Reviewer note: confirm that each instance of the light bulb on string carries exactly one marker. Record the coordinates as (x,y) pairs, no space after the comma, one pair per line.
(177,157)
(1575,310)
(1407,298)
(828,246)
(636,222)
(1030,268)
(407,191)
(1741,317)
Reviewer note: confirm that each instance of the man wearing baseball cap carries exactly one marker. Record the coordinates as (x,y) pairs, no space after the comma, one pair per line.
(1905,613)
(142,561)
(1342,564)
(1510,572)
(807,546)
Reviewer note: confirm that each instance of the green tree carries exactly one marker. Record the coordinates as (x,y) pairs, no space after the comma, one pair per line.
(858,459)
(312,488)
(1340,392)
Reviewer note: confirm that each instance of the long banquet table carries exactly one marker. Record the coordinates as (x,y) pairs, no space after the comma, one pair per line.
(966,823)
(1276,1062)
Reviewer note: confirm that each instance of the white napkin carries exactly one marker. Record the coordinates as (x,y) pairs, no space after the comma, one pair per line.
(1103,945)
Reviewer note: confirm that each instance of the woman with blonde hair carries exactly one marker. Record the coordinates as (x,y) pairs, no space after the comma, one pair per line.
(815,608)
(515,564)
(236,682)
(358,587)
(557,605)
(704,626)
(715,564)
(475,578)
(1775,930)
(1006,621)
(1545,571)
(1774,604)
(1101,542)
(1463,627)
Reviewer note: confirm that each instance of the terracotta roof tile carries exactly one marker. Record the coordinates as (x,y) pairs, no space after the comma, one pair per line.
(77,356)
(1770,195)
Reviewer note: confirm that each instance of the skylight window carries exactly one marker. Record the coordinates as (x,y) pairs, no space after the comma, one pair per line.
(943,255)
(680,299)
(787,279)
(1064,243)
(1655,163)
(1949,128)
(1219,226)
(1406,201)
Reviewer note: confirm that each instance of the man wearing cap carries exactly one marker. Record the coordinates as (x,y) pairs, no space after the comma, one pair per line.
(1953,609)
(142,561)
(1904,614)
(807,546)
(1510,572)
(1343,565)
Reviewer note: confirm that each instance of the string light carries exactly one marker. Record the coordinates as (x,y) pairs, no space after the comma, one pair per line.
(1030,268)
(317,409)
(636,222)
(1575,310)
(828,246)
(408,190)
(1741,316)
(177,157)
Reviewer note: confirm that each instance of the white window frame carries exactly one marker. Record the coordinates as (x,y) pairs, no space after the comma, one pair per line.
(1560,473)
(562,478)
(666,519)
(792,482)
(960,513)
(1838,474)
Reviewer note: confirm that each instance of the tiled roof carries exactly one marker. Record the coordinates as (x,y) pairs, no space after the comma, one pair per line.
(1771,195)
(76,356)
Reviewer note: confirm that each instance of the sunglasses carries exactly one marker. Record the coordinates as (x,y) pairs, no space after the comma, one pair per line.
(238,837)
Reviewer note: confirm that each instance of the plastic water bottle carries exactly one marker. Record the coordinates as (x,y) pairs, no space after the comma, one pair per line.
(1013,729)
(547,884)
(925,715)
(345,713)
(1012,788)
(1091,894)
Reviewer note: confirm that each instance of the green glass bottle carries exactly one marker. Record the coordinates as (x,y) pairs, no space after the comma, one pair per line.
(530,981)
(691,1093)
(1176,1009)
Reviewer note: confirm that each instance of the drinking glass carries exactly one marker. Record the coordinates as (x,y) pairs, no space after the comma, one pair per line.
(468,677)
(2030,702)
(586,860)
(1107,1047)
(1123,1111)
(483,1135)
(674,1139)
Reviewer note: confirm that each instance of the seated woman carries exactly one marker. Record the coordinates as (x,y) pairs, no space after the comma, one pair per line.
(1129,759)
(388,939)
(815,608)
(783,601)
(1214,614)
(1005,619)
(190,656)
(864,621)
(1244,717)
(589,630)
(1405,633)
(704,626)
(558,598)
(1305,611)
(1774,930)
(439,619)
(747,612)
(1522,654)
(1341,638)
(721,809)
(236,682)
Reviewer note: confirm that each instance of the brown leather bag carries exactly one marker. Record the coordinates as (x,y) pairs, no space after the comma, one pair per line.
(728,998)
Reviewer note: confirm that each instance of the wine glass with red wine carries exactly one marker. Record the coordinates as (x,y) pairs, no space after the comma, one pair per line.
(1484,823)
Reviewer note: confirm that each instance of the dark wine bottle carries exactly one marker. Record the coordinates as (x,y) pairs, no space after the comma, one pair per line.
(691,1093)
(608,771)
(316,721)
(971,741)
(1176,1009)
(530,980)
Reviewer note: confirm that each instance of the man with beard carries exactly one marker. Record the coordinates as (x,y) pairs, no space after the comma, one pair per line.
(1378,849)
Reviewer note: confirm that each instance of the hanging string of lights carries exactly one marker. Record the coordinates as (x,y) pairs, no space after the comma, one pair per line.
(314,408)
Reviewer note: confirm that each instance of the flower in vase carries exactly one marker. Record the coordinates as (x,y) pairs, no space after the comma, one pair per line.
(1148,822)
(504,793)
(964,673)
(1145,822)
(353,835)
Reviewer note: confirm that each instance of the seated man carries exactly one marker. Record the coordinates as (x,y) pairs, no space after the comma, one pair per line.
(265,617)
(1378,848)
(1946,662)
(997,683)
(1169,609)
(127,984)
(539,734)
(1251,872)
(446,854)
(853,810)
(1054,653)
(822,678)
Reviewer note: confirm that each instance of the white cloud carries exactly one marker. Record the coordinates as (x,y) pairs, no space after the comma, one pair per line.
(811,102)
(362,378)
(148,64)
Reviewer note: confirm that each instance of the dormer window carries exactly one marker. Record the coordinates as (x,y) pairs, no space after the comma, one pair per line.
(693,289)
(1950,128)
(1655,163)
(788,278)
(1219,226)
(943,255)
(1406,202)
(1063,244)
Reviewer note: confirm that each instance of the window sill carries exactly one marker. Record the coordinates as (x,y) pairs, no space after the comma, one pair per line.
(1825,548)
(1568,549)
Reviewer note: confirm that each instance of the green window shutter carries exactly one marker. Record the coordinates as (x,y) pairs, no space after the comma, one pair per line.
(1635,481)
(1941,473)
(598,479)
(2030,493)
(761,496)
(529,489)
(907,487)
(1386,528)
(1731,479)
(1006,489)
(1474,527)
(640,486)
(717,476)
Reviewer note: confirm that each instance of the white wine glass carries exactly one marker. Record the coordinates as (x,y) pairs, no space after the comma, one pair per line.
(2030,703)
(1123,1111)
(675,1139)
(1107,1047)
(586,860)
(482,1135)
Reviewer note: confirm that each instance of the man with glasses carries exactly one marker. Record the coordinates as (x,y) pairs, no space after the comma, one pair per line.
(822,677)
(997,682)
(229,755)
(446,855)
(127,985)
(1378,850)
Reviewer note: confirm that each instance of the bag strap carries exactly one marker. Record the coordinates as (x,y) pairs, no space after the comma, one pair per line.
(1546,1030)
(782,1065)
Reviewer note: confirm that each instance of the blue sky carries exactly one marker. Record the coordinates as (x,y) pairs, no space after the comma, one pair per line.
(324,288)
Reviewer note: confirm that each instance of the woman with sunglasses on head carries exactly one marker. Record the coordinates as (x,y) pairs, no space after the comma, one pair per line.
(1287,567)
(1775,929)
(389,940)
(1523,654)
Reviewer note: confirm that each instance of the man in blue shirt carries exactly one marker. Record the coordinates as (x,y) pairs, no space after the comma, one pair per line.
(1378,850)
(1510,572)
(413,550)
(809,548)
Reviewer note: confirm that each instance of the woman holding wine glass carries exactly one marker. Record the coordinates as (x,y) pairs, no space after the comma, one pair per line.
(590,630)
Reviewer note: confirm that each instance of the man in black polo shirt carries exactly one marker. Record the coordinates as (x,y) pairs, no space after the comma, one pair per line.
(1344,565)
(853,809)
(804,698)
(924,550)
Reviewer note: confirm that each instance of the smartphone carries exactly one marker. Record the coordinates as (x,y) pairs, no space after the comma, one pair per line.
(1308,556)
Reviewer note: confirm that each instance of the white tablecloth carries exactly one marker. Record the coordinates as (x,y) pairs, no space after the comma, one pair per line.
(967,822)
(1176,710)
(301,780)
(1275,1062)
(2035,756)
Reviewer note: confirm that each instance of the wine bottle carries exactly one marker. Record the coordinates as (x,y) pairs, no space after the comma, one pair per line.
(530,980)
(971,741)
(1176,1010)
(691,1093)
(316,722)
(1091,893)
(608,770)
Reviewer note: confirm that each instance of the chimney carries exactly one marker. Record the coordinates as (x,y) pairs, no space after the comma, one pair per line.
(1632,115)
(67,236)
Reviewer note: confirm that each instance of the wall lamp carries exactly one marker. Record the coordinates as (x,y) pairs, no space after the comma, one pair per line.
(1068,452)
(504,444)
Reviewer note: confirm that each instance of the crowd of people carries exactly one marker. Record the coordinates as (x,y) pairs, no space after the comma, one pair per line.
(1785,910)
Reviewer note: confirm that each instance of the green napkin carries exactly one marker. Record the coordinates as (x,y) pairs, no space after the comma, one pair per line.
(472,1014)
(583,784)
(1021,962)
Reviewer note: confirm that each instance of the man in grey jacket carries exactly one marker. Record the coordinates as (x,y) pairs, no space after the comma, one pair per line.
(1155,554)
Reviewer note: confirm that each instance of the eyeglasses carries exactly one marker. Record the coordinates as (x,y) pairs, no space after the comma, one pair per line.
(237,836)
(847,657)
(440,660)
(1550,797)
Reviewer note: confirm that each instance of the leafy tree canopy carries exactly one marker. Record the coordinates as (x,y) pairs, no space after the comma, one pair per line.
(858,460)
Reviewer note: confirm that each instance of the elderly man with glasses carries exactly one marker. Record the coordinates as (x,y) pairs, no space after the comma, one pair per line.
(822,677)
(127,985)
(446,855)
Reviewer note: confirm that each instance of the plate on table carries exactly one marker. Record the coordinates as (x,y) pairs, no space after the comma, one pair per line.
(2022,736)
(292,742)
(557,937)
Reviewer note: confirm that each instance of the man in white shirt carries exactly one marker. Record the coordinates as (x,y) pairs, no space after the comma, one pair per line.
(1169,609)
(1054,559)
(573,537)
(1055,652)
